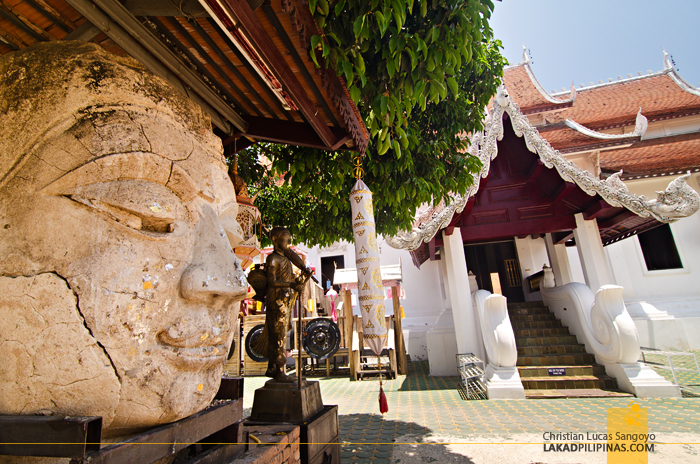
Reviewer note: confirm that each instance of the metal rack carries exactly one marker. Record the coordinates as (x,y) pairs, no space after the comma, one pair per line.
(471,373)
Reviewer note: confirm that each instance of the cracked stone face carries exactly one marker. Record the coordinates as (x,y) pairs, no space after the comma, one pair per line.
(117,217)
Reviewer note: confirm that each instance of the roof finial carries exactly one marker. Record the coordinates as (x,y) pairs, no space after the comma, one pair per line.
(526,59)
(641,124)
(502,96)
(573,92)
(667,60)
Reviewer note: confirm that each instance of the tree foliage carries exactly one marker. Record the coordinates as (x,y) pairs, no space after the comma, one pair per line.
(421,73)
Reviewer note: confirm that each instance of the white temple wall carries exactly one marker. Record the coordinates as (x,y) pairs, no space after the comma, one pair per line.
(575,263)
(664,304)
(424,302)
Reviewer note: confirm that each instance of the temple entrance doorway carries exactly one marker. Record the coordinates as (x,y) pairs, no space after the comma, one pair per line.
(497,269)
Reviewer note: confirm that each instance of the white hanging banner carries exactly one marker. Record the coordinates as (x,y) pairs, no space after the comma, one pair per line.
(369,275)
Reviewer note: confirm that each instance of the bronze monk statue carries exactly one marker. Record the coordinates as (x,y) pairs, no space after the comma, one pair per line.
(280,294)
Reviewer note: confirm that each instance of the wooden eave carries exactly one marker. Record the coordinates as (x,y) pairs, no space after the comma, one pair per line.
(269,91)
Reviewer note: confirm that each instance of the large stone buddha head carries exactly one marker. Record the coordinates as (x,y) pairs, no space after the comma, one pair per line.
(117,277)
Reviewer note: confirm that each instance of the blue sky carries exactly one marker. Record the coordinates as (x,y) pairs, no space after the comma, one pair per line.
(590,40)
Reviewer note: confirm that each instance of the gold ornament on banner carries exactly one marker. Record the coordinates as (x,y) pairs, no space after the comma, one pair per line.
(357,170)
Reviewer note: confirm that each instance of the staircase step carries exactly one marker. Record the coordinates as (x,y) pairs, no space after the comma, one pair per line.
(553,360)
(576,393)
(533,310)
(569,371)
(562,382)
(526,304)
(548,332)
(539,350)
(543,343)
(553,324)
(532,317)
(555,340)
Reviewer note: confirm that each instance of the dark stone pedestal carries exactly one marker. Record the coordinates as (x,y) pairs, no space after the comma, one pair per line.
(284,402)
(318,424)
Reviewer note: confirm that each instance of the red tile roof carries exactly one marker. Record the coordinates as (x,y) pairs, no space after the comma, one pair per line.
(608,105)
(658,156)
(526,93)
(616,104)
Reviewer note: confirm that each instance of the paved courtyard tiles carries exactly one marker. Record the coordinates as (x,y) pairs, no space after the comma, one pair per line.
(423,407)
(688,379)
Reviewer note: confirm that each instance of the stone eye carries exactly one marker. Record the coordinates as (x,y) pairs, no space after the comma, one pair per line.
(140,205)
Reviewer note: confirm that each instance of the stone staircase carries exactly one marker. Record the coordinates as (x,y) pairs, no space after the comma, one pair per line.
(551,362)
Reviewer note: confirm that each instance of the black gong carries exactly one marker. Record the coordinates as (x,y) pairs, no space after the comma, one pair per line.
(321,338)
(250,339)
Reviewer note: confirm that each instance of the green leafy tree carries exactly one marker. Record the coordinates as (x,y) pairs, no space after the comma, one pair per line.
(421,73)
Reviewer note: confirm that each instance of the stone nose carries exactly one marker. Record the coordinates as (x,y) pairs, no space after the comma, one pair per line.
(214,272)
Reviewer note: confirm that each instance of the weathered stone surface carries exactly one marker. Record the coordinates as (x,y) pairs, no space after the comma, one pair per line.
(116,213)
(33,379)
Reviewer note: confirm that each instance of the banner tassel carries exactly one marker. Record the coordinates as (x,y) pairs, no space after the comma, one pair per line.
(383,404)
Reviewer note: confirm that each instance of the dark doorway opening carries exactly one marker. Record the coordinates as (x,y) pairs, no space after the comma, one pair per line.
(328,266)
(496,265)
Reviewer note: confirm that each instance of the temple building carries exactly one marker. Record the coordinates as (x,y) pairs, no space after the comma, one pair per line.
(597,185)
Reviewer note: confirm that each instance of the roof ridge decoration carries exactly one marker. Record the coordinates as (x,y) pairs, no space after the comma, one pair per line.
(677,201)
(668,69)
(640,128)
(682,83)
(538,86)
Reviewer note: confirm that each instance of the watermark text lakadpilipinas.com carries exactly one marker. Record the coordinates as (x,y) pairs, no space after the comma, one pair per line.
(626,441)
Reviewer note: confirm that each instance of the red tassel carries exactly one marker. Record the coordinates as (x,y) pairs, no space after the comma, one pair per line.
(383,405)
